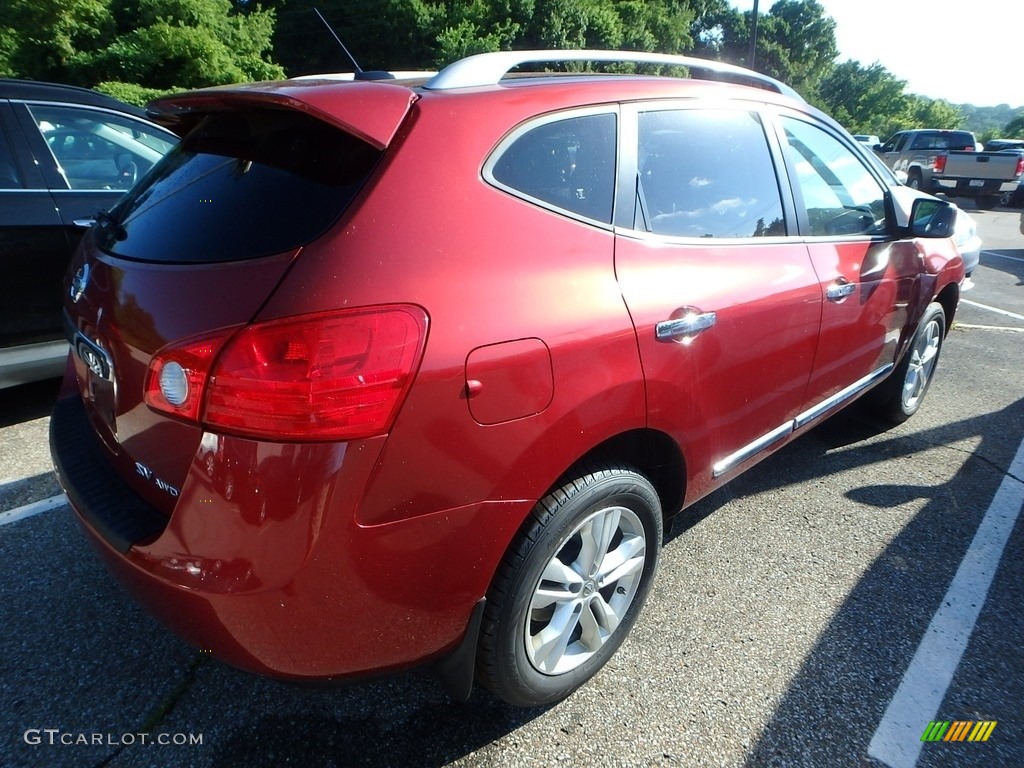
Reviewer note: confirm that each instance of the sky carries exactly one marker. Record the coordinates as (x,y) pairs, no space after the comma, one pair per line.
(964,52)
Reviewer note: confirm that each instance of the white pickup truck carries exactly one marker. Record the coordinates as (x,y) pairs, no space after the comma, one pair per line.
(946,161)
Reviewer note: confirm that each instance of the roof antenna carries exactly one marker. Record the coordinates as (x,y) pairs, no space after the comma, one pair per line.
(360,74)
(338,39)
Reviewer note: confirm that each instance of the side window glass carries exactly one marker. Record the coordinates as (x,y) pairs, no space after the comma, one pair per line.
(707,173)
(568,164)
(840,195)
(99,150)
(10,178)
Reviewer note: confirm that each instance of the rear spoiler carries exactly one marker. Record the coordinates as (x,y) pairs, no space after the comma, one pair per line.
(372,111)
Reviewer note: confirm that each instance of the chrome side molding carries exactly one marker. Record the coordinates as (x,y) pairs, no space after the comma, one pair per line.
(802,420)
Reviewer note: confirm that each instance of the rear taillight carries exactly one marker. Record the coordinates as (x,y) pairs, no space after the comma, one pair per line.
(338,375)
(1020,166)
(177,375)
(939,163)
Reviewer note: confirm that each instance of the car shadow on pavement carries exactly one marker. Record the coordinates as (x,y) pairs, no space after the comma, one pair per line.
(837,699)
(1012,265)
(430,735)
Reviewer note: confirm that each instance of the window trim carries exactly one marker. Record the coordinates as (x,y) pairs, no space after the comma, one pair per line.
(487,171)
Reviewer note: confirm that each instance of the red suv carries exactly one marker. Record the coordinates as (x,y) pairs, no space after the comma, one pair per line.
(370,374)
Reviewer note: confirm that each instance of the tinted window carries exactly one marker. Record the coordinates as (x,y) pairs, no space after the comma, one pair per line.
(943,140)
(9,176)
(840,195)
(240,186)
(96,149)
(568,163)
(707,173)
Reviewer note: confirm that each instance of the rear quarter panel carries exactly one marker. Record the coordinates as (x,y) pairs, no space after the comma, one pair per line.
(488,268)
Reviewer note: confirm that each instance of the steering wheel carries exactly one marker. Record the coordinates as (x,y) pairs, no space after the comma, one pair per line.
(127,170)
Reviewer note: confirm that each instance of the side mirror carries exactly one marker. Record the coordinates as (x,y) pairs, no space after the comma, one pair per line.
(930,217)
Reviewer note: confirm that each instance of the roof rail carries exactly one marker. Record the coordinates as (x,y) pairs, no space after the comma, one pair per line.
(488,68)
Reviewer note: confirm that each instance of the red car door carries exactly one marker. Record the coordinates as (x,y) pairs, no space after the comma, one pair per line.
(725,304)
(867,279)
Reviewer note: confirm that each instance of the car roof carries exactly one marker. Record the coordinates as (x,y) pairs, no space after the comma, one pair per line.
(34,90)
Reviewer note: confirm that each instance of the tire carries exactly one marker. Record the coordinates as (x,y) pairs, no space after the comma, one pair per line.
(568,591)
(914,179)
(901,394)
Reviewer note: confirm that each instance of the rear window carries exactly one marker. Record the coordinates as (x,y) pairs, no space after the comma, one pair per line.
(240,185)
(943,140)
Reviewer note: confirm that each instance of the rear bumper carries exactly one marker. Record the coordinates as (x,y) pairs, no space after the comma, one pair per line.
(269,572)
(965,188)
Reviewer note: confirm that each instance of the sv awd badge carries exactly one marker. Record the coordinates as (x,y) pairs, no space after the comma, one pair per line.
(147,473)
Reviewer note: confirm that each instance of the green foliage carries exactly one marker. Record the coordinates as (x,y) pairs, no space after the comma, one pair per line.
(43,37)
(990,122)
(797,44)
(426,34)
(131,93)
(865,99)
(161,44)
(932,113)
(1015,128)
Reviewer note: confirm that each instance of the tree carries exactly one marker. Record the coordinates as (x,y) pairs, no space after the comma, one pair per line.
(159,44)
(932,113)
(864,99)
(42,38)
(426,34)
(796,43)
(182,44)
(1015,128)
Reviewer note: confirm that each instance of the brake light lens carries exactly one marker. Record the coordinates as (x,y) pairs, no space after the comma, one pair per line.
(338,375)
(1020,166)
(939,161)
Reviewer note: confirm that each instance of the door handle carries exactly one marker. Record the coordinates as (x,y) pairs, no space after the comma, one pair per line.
(840,290)
(687,326)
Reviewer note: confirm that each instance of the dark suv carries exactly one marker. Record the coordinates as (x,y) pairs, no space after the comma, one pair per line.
(65,154)
(372,374)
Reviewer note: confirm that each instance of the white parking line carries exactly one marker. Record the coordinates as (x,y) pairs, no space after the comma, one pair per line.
(1014,315)
(897,741)
(35,508)
(989,327)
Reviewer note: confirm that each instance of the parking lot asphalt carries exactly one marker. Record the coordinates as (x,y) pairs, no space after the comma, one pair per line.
(786,618)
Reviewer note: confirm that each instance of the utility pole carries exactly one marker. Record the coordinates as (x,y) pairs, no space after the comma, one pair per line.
(751,54)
